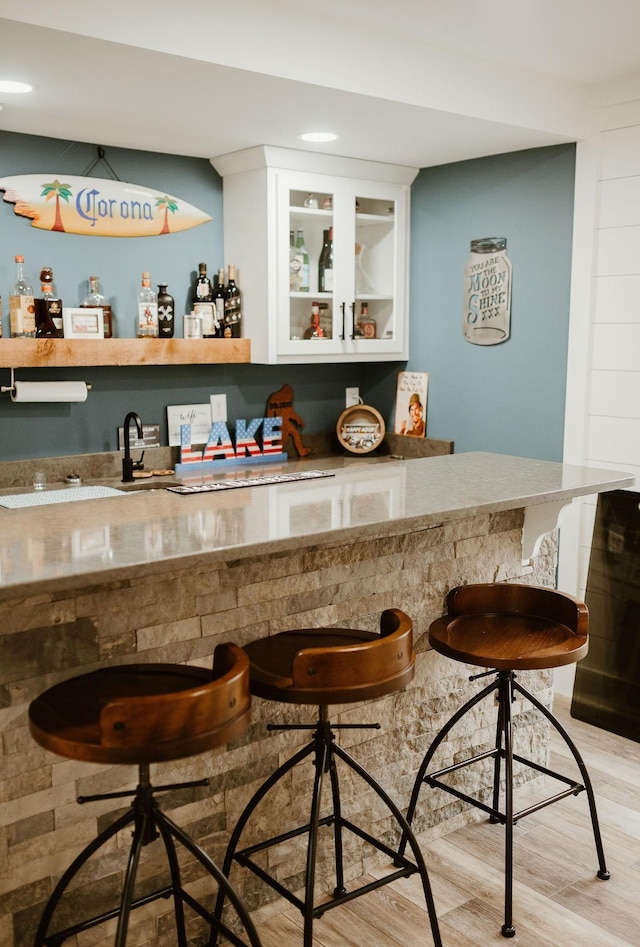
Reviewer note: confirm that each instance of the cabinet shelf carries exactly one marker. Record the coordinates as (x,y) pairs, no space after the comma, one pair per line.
(66,353)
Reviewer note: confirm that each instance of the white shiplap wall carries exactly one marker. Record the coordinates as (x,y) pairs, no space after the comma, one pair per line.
(613,408)
(602,422)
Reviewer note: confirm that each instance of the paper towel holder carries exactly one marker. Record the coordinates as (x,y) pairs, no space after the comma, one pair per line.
(11,389)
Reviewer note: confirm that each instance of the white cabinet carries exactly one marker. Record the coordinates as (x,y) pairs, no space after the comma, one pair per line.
(366,207)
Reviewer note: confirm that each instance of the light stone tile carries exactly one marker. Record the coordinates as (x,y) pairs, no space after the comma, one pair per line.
(163,634)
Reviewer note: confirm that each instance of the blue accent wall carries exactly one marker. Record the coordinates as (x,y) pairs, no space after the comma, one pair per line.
(507,398)
(40,430)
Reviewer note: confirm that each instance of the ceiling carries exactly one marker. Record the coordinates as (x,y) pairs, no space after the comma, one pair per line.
(414,82)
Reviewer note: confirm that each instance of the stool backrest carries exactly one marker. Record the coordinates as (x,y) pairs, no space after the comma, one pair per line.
(373,667)
(187,721)
(511,598)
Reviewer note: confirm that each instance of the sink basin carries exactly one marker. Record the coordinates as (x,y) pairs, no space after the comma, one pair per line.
(14,501)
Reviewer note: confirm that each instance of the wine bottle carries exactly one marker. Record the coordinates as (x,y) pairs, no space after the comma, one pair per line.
(232,306)
(48,308)
(218,301)
(147,310)
(166,312)
(325,263)
(95,300)
(21,304)
(302,258)
(203,304)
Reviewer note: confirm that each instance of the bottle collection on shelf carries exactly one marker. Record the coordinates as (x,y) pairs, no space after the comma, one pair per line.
(216,310)
(320,321)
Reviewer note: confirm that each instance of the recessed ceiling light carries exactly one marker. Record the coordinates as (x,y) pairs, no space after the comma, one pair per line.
(318,136)
(8,85)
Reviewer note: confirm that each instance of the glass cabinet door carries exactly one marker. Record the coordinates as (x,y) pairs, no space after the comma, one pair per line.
(341,282)
(311,270)
(375,270)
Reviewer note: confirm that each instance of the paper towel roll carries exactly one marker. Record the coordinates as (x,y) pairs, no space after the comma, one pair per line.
(49,391)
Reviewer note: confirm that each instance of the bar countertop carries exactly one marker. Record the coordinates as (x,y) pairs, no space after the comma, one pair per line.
(46,547)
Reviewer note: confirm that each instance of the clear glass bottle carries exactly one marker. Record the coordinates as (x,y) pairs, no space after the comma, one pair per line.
(48,308)
(21,304)
(232,306)
(166,312)
(302,261)
(95,300)
(147,310)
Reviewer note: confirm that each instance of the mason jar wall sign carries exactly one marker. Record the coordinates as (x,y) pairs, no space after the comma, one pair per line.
(487,292)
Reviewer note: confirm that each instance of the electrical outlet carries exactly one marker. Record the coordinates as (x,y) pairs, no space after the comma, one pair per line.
(218,407)
(352,396)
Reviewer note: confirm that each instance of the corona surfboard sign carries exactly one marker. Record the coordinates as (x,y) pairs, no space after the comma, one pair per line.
(97,207)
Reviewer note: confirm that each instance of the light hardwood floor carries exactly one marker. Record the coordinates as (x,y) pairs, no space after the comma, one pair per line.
(558,901)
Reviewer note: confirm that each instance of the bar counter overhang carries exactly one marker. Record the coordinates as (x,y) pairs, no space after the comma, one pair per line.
(157,576)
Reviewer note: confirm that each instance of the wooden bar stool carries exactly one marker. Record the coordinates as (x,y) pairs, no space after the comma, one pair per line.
(142,714)
(510,628)
(322,666)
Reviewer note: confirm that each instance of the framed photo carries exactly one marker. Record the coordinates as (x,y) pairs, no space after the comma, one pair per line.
(411,404)
(82,323)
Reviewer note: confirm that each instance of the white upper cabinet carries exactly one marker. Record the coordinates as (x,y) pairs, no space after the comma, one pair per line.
(362,313)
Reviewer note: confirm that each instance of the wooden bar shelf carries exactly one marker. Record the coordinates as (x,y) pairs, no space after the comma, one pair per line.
(66,353)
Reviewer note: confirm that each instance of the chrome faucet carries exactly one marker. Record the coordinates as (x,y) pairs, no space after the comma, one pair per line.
(127,462)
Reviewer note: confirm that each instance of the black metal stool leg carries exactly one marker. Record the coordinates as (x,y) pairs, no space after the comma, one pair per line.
(240,825)
(437,740)
(603,872)
(176,878)
(407,837)
(337,826)
(505,698)
(72,871)
(169,828)
(139,836)
(321,761)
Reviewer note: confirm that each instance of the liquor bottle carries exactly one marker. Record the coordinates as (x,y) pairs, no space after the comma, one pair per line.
(147,310)
(95,300)
(203,305)
(314,329)
(302,261)
(218,301)
(48,308)
(21,304)
(232,306)
(325,263)
(166,312)
(203,292)
(366,326)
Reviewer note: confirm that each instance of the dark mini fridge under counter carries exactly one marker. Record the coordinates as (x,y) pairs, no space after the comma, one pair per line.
(607,685)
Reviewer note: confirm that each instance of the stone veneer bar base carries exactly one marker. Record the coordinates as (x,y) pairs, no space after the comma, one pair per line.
(180,616)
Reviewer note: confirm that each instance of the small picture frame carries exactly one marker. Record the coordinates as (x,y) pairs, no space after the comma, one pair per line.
(83,323)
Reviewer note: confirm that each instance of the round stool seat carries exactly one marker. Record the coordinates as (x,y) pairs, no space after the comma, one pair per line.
(145,713)
(511,627)
(333,665)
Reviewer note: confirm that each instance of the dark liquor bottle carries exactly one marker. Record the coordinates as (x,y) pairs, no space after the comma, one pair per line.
(232,307)
(203,302)
(48,308)
(325,263)
(166,312)
(95,300)
(218,301)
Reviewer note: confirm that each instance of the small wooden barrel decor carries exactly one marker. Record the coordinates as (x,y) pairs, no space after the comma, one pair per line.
(360,429)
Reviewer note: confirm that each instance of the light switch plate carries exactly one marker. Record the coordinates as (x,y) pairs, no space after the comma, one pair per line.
(352,396)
